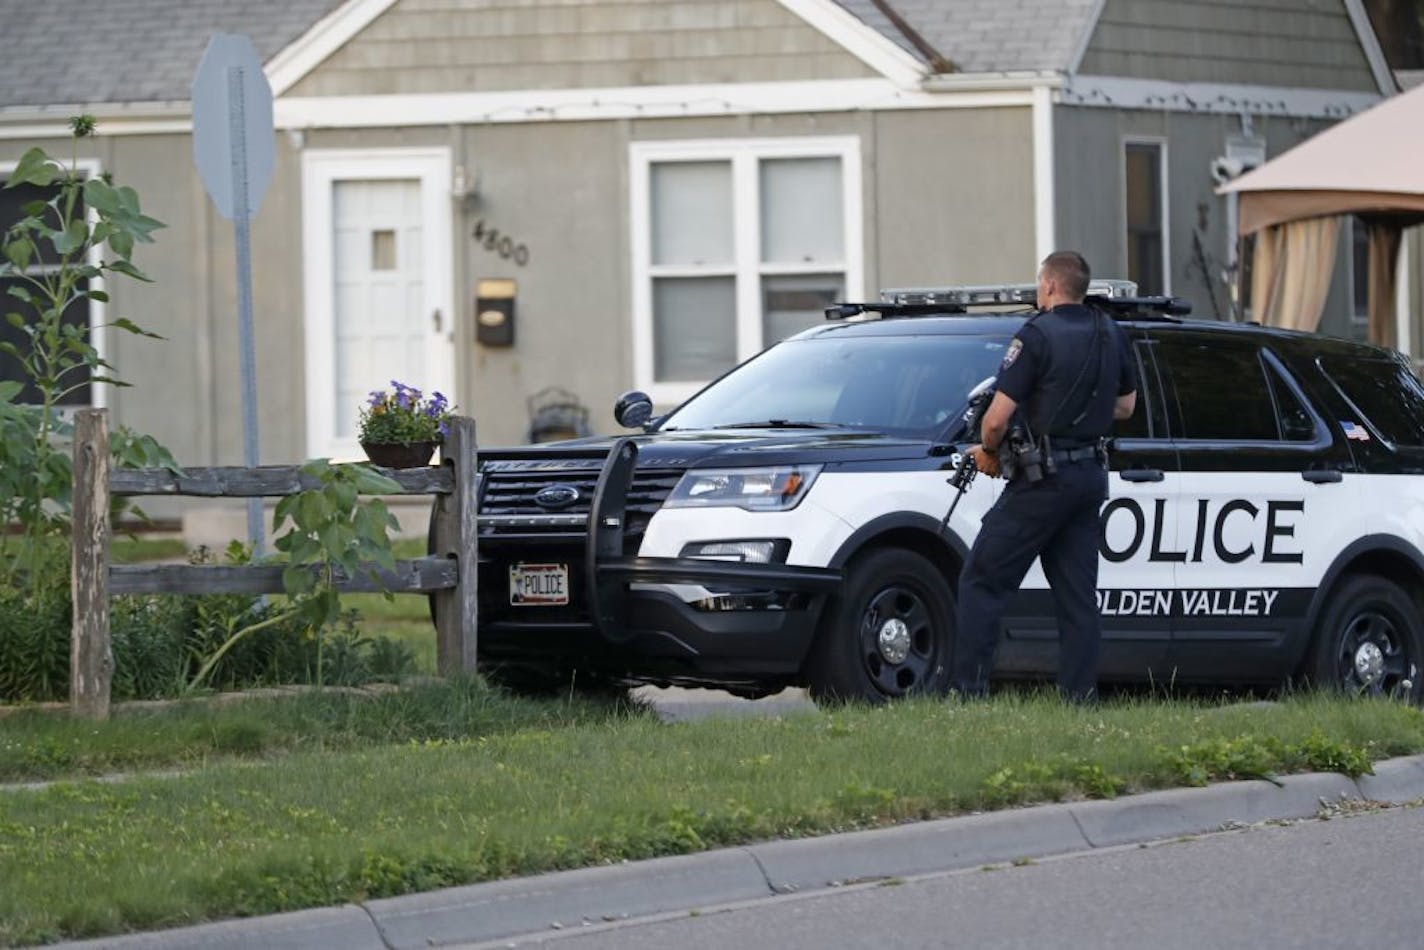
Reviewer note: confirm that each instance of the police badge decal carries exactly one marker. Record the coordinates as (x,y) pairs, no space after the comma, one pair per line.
(1015,345)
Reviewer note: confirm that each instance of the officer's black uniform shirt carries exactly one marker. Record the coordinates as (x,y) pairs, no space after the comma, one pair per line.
(1046,358)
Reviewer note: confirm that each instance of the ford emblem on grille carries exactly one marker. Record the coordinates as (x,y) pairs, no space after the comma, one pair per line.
(556,497)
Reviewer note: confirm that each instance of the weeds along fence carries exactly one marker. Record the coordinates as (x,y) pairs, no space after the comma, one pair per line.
(449,573)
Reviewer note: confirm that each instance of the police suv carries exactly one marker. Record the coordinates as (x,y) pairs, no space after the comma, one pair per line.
(787,525)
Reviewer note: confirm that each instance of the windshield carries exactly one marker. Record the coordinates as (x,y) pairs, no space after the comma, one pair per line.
(905,384)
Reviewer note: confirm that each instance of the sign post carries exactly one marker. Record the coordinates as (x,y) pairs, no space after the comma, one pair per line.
(233,151)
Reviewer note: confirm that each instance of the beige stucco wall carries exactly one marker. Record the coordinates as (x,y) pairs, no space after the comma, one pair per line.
(947,197)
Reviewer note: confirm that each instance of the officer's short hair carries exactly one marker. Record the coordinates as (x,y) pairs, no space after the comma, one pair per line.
(1070,271)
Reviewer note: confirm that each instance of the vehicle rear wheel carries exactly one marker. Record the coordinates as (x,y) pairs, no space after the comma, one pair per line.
(1369,641)
(888,635)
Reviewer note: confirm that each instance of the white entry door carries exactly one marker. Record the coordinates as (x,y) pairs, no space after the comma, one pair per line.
(377,236)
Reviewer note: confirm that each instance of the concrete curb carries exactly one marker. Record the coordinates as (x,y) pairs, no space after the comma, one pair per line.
(504,909)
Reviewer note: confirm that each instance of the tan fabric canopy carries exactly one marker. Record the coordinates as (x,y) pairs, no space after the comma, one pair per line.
(1371,165)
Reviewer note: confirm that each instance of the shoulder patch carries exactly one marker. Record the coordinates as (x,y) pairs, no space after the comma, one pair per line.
(1011,354)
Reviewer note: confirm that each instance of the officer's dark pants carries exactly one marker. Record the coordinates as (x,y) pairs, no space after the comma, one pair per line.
(1056,519)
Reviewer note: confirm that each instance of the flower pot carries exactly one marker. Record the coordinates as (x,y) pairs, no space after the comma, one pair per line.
(400,454)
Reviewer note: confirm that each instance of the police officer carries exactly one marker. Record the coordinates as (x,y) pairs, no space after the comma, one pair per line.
(1066,375)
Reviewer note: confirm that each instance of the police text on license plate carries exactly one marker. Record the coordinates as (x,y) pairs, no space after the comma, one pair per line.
(532,585)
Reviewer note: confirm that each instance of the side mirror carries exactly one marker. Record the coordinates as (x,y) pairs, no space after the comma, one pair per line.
(633,409)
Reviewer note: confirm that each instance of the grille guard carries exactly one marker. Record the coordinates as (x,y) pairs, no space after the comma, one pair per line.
(610,572)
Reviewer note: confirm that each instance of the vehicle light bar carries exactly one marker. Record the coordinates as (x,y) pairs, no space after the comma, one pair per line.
(989,294)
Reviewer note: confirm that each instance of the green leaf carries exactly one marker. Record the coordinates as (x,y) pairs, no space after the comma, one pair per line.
(98,295)
(123,323)
(371,482)
(122,242)
(100,195)
(9,389)
(71,239)
(35,168)
(20,252)
(20,293)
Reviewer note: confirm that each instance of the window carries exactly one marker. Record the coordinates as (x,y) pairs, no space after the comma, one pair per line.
(1145,421)
(1228,390)
(1359,328)
(737,245)
(82,312)
(1144,169)
(1386,394)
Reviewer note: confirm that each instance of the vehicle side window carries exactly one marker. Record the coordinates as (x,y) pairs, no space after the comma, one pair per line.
(1387,395)
(1296,422)
(1222,388)
(1140,425)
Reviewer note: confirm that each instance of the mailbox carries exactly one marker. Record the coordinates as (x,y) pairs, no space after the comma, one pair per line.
(494,311)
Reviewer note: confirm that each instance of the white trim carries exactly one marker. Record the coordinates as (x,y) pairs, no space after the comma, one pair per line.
(1369,43)
(1086,39)
(326,36)
(744,155)
(32,131)
(98,310)
(986,91)
(1164,196)
(860,39)
(1404,322)
(632,102)
(1045,196)
(321,170)
(1115,92)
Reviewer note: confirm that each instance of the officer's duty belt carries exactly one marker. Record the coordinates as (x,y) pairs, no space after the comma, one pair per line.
(1075,455)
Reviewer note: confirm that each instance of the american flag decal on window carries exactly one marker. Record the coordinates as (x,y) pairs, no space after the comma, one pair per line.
(1353,431)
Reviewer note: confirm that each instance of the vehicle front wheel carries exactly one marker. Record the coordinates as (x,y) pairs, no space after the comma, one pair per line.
(1369,641)
(888,635)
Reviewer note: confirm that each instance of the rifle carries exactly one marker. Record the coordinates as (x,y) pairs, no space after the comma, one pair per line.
(965,470)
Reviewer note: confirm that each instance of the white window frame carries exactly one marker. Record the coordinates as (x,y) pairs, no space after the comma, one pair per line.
(321,170)
(1164,197)
(98,392)
(747,269)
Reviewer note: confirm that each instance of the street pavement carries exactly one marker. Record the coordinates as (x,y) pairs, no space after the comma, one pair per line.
(1348,882)
(508,912)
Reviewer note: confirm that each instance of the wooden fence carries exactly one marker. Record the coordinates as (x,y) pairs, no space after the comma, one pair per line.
(449,573)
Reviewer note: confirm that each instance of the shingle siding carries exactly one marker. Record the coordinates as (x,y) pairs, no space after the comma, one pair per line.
(442,46)
(1295,43)
(990,35)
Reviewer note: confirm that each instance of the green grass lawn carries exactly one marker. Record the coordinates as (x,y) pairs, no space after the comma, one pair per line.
(450,784)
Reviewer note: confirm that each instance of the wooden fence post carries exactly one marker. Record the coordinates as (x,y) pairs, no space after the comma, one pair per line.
(91,658)
(456,524)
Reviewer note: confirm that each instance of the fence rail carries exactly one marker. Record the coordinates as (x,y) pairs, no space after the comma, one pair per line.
(448,573)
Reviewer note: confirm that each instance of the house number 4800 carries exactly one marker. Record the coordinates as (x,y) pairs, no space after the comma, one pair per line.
(502,244)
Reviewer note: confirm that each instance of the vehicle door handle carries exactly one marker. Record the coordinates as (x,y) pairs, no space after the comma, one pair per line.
(1322,476)
(1141,475)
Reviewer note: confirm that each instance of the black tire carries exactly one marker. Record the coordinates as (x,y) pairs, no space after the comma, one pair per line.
(1369,641)
(889,635)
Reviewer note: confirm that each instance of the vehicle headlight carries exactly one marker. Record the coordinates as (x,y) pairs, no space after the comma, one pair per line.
(774,488)
(751,551)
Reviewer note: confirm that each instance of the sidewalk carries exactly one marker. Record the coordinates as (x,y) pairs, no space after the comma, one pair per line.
(567,899)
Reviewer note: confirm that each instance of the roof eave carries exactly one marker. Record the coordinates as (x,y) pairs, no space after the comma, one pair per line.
(989,81)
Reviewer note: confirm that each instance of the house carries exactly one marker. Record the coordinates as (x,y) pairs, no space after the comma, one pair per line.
(491,197)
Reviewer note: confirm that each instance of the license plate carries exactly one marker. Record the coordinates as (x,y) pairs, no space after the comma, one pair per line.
(538,585)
